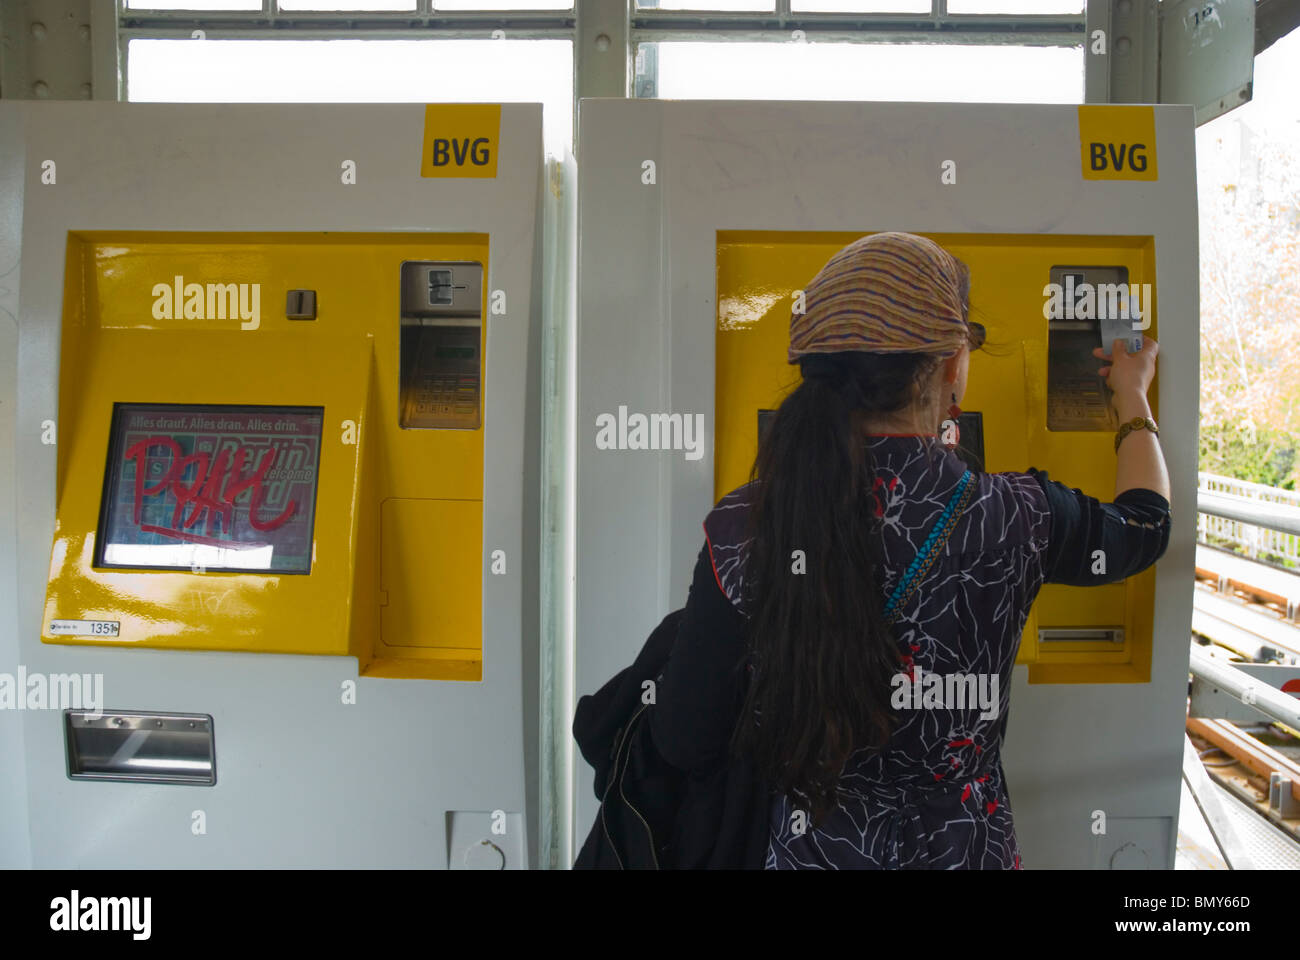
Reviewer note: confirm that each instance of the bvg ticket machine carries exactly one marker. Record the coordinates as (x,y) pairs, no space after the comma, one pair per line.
(737,206)
(273,423)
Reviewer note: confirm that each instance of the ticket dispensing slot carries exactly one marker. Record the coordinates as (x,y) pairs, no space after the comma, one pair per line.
(1101,635)
(140,747)
(441,332)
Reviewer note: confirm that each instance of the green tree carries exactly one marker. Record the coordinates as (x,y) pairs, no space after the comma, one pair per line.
(1250,308)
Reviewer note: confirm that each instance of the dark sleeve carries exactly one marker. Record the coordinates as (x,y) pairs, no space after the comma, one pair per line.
(700,695)
(1132,532)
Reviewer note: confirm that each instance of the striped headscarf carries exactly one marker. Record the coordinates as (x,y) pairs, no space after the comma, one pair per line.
(885,293)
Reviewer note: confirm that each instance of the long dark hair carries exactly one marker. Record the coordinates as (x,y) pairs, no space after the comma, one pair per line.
(821,652)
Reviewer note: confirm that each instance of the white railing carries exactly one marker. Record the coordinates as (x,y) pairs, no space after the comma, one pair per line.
(1256,542)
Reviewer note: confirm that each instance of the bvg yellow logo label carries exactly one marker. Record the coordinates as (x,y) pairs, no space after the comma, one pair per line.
(1118,142)
(461,140)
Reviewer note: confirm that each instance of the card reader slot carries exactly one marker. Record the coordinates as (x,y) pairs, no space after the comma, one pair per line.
(441,334)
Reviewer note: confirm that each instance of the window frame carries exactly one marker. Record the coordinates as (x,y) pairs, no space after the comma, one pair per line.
(641,27)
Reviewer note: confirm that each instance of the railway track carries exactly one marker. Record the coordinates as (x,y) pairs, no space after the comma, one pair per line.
(1244,611)
(1253,606)
(1250,629)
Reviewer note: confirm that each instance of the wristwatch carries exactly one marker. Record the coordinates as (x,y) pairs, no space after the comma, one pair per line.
(1137,423)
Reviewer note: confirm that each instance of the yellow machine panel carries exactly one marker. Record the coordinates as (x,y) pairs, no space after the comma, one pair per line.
(273,443)
(1032,395)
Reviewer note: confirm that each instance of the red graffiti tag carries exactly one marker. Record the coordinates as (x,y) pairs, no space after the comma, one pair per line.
(212,494)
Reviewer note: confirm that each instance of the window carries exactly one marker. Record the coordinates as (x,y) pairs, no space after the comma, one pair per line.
(868,71)
(295,71)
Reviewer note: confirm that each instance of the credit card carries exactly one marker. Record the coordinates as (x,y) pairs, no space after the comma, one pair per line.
(1113,329)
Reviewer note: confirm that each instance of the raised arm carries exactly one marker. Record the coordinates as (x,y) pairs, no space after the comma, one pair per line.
(1139,462)
(1133,531)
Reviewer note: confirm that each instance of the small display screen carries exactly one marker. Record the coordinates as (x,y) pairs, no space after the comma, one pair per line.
(454,353)
(210,487)
(970,443)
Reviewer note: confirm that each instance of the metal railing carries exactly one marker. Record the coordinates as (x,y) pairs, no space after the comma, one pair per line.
(1234,513)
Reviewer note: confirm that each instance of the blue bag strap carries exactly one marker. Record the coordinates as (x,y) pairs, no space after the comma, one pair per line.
(932,547)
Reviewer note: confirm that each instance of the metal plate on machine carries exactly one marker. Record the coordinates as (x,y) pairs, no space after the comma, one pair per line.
(140,747)
(441,358)
(442,288)
(1077,398)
